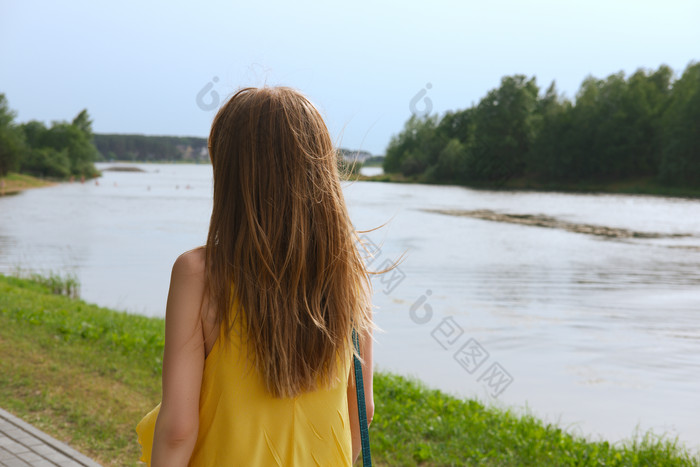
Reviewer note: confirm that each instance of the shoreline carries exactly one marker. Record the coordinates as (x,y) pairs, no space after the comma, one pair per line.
(98,392)
(636,186)
(14,183)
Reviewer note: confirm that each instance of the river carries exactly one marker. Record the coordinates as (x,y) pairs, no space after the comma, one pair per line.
(597,333)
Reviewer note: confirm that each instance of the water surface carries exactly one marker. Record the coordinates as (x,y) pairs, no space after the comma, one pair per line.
(598,334)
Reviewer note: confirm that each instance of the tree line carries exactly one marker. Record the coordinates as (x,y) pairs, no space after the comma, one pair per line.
(144,148)
(646,125)
(59,151)
(70,149)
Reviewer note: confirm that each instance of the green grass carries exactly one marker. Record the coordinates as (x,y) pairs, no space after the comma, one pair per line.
(82,373)
(87,375)
(418,426)
(57,283)
(16,182)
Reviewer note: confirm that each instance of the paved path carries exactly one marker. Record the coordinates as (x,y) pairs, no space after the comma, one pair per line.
(23,445)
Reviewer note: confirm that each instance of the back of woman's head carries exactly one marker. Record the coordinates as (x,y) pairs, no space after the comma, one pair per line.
(281,245)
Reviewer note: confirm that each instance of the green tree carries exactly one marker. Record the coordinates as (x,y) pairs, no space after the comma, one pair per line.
(458,124)
(642,126)
(645,100)
(12,145)
(72,140)
(416,148)
(613,131)
(680,155)
(83,123)
(504,130)
(47,162)
(451,165)
(34,133)
(550,157)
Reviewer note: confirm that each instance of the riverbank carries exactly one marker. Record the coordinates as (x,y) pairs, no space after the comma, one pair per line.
(636,186)
(15,182)
(86,375)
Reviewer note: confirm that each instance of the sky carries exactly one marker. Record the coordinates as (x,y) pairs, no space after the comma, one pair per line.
(163,67)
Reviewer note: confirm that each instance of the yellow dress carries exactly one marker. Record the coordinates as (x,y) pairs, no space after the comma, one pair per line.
(240,423)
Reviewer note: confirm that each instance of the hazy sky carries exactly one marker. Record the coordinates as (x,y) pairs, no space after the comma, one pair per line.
(139,66)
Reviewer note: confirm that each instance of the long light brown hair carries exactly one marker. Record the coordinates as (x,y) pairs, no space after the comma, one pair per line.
(281,247)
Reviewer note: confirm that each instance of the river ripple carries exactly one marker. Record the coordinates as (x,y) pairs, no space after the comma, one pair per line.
(598,333)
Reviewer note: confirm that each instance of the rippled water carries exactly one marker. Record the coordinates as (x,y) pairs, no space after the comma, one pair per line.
(600,335)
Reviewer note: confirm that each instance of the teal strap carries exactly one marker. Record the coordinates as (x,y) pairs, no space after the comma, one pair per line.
(361,408)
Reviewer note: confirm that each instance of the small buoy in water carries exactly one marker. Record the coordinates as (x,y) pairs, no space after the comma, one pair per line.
(96,183)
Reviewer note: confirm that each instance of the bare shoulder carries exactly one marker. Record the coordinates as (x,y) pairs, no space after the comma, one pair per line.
(190,263)
(186,289)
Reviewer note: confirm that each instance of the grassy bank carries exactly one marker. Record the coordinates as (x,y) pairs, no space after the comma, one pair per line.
(639,186)
(14,183)
(86,375)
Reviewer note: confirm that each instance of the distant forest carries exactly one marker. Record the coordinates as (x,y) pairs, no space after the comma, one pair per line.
(143,148)
(643,126)
(151,148)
